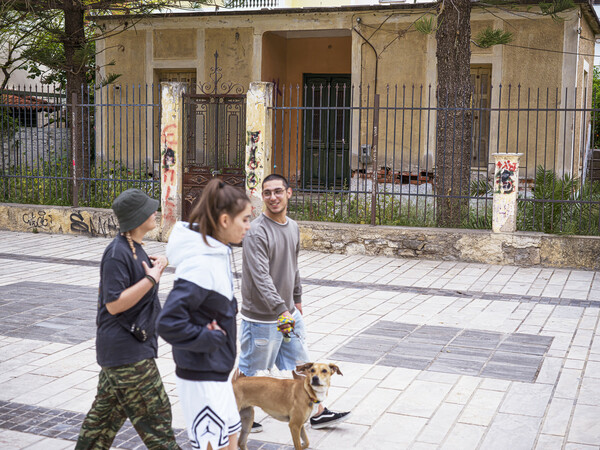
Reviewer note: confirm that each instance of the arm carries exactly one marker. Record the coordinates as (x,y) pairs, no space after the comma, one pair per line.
(133,294)
(256,248)
(175,325)
(297,281)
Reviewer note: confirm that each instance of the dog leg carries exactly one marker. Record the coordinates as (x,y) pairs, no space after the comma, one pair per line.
(296,429)
(247,416)
(304,437)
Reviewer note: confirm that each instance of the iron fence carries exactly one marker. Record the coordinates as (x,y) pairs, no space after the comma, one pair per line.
(356,157)
(116,135)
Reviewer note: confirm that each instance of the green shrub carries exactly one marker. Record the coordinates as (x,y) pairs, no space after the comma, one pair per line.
(48,182)
(560,205)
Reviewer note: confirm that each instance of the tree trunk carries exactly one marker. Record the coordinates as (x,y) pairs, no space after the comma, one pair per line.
(454,117)
(74,44)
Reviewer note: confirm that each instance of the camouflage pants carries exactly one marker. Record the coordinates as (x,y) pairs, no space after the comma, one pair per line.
(135,391)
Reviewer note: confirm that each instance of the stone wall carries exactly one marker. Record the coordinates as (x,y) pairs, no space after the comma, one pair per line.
(63,220)
(480,246)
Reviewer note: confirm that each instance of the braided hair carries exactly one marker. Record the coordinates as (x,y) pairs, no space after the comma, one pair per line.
(127,235)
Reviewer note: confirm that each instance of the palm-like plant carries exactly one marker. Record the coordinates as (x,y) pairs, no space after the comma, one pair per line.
(560,205)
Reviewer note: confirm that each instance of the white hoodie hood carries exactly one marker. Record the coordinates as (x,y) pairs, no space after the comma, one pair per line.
(207,266)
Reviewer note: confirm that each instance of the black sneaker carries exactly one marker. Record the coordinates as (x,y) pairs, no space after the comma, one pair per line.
(256,427)
(328,418)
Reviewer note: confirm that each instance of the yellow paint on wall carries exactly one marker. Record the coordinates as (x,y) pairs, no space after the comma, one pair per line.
(174,44)
(234,46)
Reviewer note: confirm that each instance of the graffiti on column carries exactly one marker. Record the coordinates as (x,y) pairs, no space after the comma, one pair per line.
(168,143)
(505,177)
(254,162)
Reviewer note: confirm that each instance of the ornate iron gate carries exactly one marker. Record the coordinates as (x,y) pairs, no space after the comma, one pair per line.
(215,136)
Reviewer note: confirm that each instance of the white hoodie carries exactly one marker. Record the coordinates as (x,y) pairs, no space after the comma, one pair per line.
(207,266)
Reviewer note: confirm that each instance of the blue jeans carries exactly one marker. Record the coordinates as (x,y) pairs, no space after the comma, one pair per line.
(262,347)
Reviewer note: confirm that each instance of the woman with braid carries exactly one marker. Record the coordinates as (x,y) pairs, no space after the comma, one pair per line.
(126,340)
(198,318)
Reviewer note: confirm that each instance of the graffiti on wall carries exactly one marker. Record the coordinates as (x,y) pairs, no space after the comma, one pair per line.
(41,220)
(97,225)
(254,163)
(169,178)
(505,177)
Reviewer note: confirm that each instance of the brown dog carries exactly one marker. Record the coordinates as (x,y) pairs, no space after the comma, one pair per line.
(292,401)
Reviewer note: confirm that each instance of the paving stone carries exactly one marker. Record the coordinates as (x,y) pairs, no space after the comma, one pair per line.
(371,343)
(478,339)
(509,372)
(511,432)
(516,359)
(530,339)
(405,361)
(466,353)
(523,348)
(356,355)
(434,334)
(416,348)
(526,399)
(457,366)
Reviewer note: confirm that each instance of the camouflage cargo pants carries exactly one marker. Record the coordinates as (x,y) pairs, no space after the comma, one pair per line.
(135,391)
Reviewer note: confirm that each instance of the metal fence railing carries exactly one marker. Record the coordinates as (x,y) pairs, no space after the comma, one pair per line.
(116,145)
(356,157)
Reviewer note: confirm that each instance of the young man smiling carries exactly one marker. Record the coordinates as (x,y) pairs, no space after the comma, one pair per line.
(272,293)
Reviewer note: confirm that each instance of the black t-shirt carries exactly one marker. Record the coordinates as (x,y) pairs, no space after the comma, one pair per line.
(115,345)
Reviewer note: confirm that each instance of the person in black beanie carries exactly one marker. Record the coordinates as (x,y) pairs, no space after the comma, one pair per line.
(129,385)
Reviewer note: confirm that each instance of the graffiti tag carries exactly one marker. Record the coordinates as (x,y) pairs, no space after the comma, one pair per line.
(508,165)
(505,183)
(252,179)
(96,226)
(42,220)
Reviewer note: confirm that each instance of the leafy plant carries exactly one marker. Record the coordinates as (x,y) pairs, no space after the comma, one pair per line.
(48,182)
(489,37)
(560,205)
(481,187)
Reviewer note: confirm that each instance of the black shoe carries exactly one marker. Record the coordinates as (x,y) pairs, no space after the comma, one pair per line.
(256,427)
(328,418)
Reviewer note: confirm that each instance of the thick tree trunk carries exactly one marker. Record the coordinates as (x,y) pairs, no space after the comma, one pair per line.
(74,44)
(454,117)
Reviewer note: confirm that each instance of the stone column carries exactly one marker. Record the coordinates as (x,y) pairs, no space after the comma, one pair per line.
(259,141)
(506,189)
(171,155)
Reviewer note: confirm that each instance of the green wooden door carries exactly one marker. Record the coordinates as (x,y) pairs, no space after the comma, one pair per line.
(326,137)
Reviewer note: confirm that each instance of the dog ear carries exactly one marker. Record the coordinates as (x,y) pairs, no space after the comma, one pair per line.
(335,369)
(304,367)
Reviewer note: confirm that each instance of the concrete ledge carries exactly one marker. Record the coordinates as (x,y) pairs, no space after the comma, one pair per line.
(63,220)
(481,246)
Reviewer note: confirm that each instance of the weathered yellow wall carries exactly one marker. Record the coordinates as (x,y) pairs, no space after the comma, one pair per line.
(584,93)
(174,44)
(235,46)
(530,79)
(122,135)
(401,81)
(532,68)
(274,59)
(406,58)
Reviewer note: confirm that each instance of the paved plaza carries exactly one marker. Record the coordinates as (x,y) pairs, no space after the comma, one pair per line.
(435,354)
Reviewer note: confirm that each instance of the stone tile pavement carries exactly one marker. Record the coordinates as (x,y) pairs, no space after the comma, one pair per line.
(435,354)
